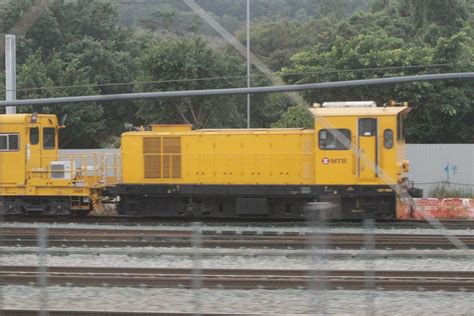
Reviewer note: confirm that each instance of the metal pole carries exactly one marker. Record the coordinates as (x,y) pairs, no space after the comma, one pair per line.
(10,72)
(248,62)
(245,90)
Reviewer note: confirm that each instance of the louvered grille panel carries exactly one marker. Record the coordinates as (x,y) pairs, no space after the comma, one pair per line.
(152,166)
(160,163)
(152,145)
(176,163)
(166,166)
(172,145)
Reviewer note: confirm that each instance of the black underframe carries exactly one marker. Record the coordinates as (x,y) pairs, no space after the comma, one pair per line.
(263,190)
(273,201)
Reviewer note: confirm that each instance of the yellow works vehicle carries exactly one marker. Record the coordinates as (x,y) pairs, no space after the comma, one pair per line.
(353,158)
(35,178)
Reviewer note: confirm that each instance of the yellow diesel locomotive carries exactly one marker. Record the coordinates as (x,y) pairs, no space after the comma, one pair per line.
(36,179)
(353,158)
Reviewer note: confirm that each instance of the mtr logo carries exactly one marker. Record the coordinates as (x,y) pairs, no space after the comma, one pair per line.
(327,161)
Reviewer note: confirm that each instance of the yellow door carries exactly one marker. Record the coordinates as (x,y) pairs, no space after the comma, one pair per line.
(367,160)
(33,152)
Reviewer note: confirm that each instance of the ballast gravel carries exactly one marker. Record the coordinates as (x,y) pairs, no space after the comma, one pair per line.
(243,229)
(339,302)
(238,262)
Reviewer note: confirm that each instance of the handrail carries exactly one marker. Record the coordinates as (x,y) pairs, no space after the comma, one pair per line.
(94,169)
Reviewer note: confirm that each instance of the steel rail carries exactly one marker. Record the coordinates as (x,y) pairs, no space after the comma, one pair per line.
(334,254)
(233,91)
(224,239)
(72,312)
(261,223)
(241,278)
(257,231)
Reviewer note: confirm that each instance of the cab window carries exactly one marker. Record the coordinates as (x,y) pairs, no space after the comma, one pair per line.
(49,140)
(334,139)
(9,142)
(367,127)
(34,135)
(400,127)
(388,139)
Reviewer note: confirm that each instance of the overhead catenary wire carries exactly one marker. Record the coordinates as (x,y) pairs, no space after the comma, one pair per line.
(287,74)
(236,91)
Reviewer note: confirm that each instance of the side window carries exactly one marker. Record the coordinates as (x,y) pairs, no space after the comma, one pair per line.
(367,127)
(400,127)
(388,139)
(13,142)
(3,142)
(34,135)
(49,138)
(334,139)
(9,142)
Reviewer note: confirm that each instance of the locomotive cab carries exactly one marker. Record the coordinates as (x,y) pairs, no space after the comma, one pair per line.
(359,143)
(28,142)
(361,148)
(34,177)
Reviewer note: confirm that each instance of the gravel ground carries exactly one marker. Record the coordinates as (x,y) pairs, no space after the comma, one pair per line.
(236,262)
(256,301)
(259,229)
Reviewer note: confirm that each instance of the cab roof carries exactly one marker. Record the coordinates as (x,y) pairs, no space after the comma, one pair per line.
(362,111)
(245,131)
(23,118)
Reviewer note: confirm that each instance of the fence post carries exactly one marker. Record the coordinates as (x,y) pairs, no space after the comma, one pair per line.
(42,242)
(196,269)
(369,273)
(316,216)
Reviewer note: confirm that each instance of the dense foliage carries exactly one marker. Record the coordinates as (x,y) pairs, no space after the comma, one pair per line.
(398,38)
(94,47)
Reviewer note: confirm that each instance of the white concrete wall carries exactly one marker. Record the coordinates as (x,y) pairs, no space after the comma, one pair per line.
(429,161)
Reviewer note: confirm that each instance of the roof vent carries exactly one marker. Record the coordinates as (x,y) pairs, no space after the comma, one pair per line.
(351,104)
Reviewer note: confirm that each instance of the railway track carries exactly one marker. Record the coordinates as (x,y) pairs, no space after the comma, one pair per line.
(57,312)
(150,221)
(242,278)
(79,237)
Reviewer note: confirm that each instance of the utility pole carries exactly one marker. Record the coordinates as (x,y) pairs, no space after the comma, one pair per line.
(248,62)
(10,72)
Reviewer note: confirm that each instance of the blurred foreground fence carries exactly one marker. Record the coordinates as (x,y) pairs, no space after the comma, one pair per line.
(364,251)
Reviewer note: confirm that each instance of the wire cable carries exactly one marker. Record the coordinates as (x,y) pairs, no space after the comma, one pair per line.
(237,77)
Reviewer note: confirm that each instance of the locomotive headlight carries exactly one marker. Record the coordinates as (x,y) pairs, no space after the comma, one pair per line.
(34,118)
(405,166)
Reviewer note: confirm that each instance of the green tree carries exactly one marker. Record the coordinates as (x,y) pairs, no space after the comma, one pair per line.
(442,111)
(168,63)
(79,45)
(295,116)
(85,122)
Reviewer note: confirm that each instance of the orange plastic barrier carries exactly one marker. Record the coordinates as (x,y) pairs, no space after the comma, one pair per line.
(449,208)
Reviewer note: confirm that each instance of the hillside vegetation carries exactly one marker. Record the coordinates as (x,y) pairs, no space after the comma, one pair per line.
(98,47)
